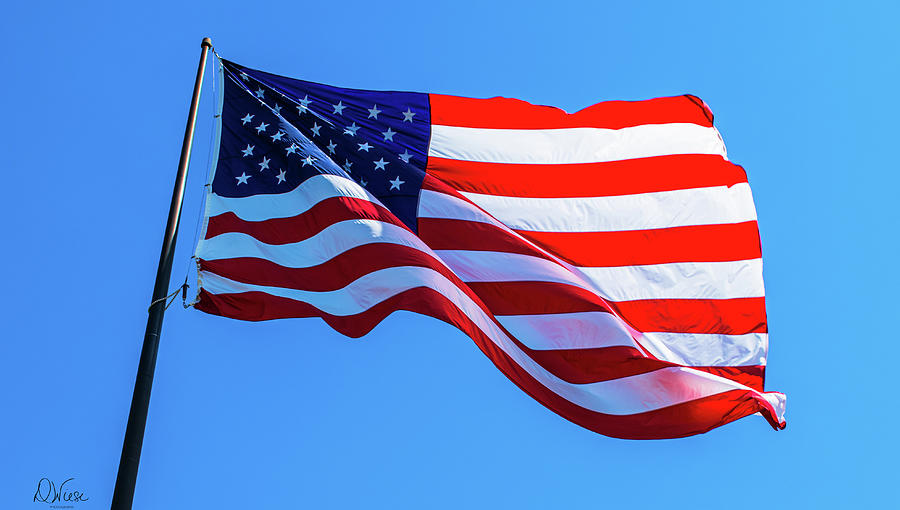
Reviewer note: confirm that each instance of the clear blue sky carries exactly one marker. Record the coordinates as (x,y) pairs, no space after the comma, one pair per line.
(288,414)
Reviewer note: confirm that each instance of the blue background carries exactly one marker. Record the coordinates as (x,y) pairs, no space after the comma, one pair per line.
(288,414)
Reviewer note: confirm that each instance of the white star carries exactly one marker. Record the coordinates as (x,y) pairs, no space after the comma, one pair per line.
(331,146)
(339,108)
(308,160)
(304,104)
(315,129)
(408,115)
(277,109)
(242,179)
(265,164)
(363,182)
(351,129)
(260,93)
(246,119)
(280,176)
(405,156)
(380,164)
(249,150)
(388,135)
(292,149)
(364,146)
(261,127)
(347,165)
(395,184)
(373,112)
(244,76)
(277,136)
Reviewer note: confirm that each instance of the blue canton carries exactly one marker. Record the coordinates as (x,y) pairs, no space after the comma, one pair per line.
(277,132)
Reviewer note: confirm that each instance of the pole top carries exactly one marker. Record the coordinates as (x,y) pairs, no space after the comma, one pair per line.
(207,42)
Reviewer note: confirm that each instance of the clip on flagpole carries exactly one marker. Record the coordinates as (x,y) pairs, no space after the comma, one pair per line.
(123,494)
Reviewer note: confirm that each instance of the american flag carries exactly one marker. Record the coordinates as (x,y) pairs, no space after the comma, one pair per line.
(607,261)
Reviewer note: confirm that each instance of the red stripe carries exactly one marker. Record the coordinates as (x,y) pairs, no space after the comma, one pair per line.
(626,177)
(736,316)
(506,113)
(584,366)
(722,316)
(529,298)
(305,225)
(753,376)
(450,234)
(700,243)
(679,420)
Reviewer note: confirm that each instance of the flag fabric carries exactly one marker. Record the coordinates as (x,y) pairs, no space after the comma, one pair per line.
(607,262)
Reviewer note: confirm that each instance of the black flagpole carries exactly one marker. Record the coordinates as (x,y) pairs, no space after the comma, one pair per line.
(123,495)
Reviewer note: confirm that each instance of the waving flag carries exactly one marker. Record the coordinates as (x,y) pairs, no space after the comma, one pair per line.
(606,261)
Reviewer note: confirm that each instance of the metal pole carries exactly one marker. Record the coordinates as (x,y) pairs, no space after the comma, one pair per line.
(123,494)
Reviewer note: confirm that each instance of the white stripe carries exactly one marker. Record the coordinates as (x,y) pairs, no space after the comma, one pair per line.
(589,330)
(330,242)
(708,350)
(681,280)
(627,395)
(572,145)
(577,330)
(496,266)
(434,204)
(643,211)
(285,205)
